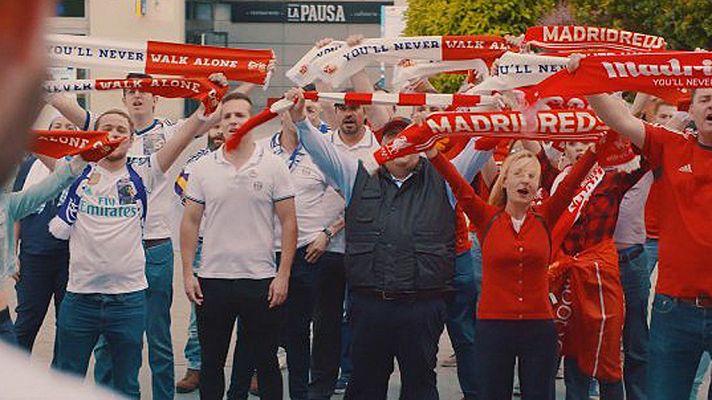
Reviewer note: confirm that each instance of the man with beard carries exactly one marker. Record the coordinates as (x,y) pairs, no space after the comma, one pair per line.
(103,218)
(400,241)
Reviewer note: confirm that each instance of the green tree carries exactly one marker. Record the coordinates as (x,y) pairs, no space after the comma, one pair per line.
(470,17)
(685,24)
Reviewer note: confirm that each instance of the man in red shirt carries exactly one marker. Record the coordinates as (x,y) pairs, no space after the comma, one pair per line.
(681,326)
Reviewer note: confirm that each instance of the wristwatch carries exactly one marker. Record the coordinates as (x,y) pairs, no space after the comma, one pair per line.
(329,234)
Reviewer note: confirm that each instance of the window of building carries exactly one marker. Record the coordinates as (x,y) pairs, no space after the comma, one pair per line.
(198,11)
(71,8)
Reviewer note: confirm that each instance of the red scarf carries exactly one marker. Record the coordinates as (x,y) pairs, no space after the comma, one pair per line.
(570,38)
(579,125)
(91,145)
(200,89)
(659,74)
(161,58)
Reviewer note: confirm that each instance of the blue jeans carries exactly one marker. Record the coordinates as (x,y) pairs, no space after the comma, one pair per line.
(679,334)
(651,247)
(192,345)
(42,277)
(700,377)
(578,384)
(159,296)
(461,322)
(120,318)
(635,279)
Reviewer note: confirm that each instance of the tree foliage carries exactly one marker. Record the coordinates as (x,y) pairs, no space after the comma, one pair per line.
(470,17)
(685,24)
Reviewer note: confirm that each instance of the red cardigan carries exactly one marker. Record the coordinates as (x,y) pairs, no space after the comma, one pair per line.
(514,265)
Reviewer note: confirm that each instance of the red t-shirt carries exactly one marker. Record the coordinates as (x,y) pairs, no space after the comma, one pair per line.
(514,264)
(685,217)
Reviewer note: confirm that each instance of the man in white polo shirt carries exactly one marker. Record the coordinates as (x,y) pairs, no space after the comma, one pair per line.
(103,218)
(238,193)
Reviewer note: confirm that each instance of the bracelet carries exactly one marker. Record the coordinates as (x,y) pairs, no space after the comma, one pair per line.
(329,234)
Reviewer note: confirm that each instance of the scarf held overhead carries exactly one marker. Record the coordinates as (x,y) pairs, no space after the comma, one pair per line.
(160,58)
(659,74)
(569,38)
(399,99)
(579,125)
(200,89)
(339,65)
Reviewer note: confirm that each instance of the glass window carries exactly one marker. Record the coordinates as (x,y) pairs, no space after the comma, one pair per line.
(71,8)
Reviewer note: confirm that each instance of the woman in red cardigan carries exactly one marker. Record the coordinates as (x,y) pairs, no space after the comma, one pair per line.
(515,319)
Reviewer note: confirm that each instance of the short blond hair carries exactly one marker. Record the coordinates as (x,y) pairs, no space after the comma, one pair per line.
(498,195)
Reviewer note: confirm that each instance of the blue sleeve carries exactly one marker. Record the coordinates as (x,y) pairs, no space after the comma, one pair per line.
(339,168)
(468,163)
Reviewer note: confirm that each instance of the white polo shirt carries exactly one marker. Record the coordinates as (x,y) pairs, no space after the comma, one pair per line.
(106,254)
(313,202)
(239,217)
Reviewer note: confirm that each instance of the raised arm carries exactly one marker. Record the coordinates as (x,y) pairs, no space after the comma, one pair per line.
(555,205)
(471,203)
(68,106)
(377,116)
(338,167)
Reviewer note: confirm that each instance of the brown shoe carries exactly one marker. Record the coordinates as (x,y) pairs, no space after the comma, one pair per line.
(190,381)
(254,387)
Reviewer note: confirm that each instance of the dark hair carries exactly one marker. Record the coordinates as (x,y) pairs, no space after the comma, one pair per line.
(236,96)
(114,111)
(138,75)
(309,88)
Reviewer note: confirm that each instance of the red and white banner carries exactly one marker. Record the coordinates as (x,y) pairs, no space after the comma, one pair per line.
(160,58)
(92,145)
(573,211)
(557,125)
(200,89)
(571,38)
(341,64)
(659,74)
(402,99)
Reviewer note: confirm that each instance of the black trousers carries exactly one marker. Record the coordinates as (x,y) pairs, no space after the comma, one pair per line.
(499,343)
(328,315)
(223,301)
(407,330)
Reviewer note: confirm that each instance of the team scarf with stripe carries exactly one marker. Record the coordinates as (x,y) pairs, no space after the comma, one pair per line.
(665,75)
(91,145)
(554,125)
(408,73)
(356,98)
(339,65)
(573,211)
(161,58)
(200,89)
(304,72)
(515,70)
(572,38)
